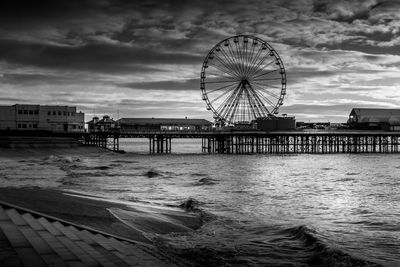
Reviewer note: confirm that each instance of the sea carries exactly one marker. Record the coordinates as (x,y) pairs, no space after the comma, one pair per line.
(257,209)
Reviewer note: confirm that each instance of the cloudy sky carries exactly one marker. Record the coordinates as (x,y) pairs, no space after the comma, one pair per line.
(143,58)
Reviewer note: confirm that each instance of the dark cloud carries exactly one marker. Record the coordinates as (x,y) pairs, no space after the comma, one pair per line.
(362,46)
(102,57)
(189,84)
(345,10)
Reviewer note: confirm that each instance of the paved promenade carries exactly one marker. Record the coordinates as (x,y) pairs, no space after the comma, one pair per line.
(32,239)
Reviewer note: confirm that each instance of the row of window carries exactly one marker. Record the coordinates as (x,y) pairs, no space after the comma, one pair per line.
(49,113)
(26,126)
(28,112)
(34,126)
(60,113)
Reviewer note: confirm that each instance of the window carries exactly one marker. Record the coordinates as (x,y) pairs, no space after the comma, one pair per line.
(65,113)
(34,126)
(23,125)
(19,125)
(54,113)
(69,113)
(59,113)
(29,125)
(48,113)
(30,112)
(25,112)
(20,112)
(36,112)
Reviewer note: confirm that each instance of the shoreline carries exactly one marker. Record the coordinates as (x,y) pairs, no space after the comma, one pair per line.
(129,221)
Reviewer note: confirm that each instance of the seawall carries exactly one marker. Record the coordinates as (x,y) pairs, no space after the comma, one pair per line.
(38,142)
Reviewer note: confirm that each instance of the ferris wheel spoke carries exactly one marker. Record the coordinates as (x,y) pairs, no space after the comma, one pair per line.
(223,70)
(230,103)
(234,58)
(223,81)
(267,79)
(231,112)
(231,60)
(264,89)
(240,58)
(266,99)
(260,68)
(220,96)
(258,100)
(263,96)
(262,74)
(267,85)
(252,101)
(219,88)
(214,74)
(250,59)
(243,57)
(226,66)
(227,105)
(253,61)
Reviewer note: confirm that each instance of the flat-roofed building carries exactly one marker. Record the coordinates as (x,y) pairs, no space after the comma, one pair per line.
(375,118)
(41,117)
(162,124)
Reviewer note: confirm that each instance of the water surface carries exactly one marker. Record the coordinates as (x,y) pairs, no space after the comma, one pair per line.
(258,209)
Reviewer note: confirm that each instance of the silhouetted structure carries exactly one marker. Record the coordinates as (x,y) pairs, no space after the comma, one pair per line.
(273,123)
(375,119)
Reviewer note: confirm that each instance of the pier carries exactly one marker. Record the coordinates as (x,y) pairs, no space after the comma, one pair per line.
(258,142)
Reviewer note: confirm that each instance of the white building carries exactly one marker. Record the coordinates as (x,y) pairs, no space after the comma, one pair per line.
(37,117)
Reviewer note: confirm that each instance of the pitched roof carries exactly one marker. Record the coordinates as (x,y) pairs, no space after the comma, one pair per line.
(376,111)
(29,238)
(163,121)
(376,115)
(105,121)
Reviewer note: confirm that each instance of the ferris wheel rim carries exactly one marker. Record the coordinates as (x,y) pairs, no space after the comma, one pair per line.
(265,46)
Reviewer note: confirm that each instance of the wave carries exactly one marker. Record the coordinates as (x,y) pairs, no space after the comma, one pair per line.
(352,173)
(125,161)
(151,174)
(225,242)
(190,204)
(205,181)
(322,254)
(347,179)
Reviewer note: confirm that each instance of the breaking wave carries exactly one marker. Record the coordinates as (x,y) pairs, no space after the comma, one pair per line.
(219,244)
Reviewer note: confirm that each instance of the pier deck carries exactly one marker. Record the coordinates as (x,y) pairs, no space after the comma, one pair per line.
(244,142)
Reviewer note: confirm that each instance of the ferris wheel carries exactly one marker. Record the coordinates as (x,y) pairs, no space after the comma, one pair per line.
(242,79)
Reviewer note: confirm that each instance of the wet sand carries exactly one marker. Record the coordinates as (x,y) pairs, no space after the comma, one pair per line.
(132,221)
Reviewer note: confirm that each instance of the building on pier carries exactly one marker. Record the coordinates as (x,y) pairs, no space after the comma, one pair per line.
(38,117)
(163,124)
(274,123)
(374,119)
(103,125)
